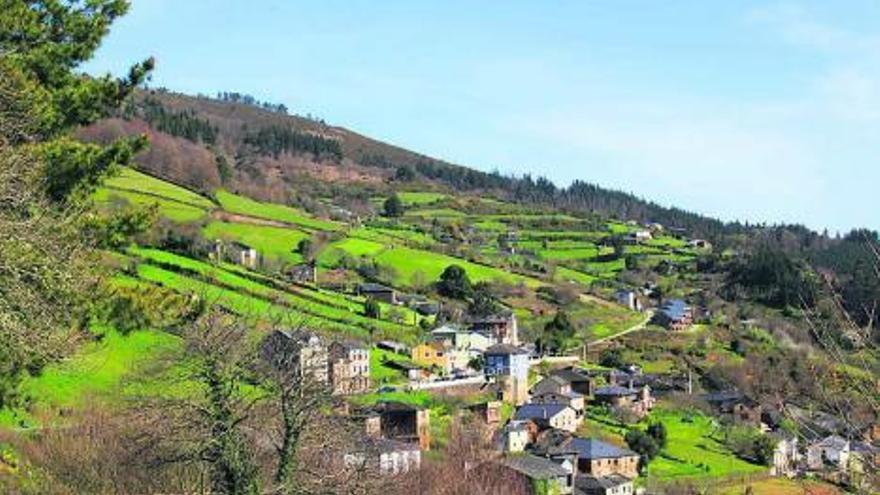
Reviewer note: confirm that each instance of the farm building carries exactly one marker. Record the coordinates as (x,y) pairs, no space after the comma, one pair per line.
(674,314)
(303,273)
(236,252)
(378,292)
(630,300)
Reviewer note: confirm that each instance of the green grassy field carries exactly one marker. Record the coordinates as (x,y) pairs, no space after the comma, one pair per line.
(407,262)
(351,246)
(271,242)
(780,486)
(436,213)
(692,451)
(583,253)
(234,203)
(132,180)
(170,209)
(95,373)
(415,198)
(564,274)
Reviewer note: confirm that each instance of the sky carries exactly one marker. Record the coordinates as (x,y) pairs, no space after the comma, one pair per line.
(754,111)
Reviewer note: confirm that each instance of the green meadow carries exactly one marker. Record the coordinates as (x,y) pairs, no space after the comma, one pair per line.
(242,205)
(272,242)
(170,209)
(130,179)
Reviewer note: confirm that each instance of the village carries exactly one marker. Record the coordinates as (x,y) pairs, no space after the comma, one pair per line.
(539,439)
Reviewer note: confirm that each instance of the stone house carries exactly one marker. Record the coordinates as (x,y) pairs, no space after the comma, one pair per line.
(573,400)
(544,475)
(604,485)
(517,435)
(508,366)
(349,368)
(580,381)
(398,421)
(593,457)
(829,453)
(501,328)
(674,314)
(546,416)
(302,354)
(303,273)
(378,292)
(554,389)
(638,401)
(238,253)
(630,300)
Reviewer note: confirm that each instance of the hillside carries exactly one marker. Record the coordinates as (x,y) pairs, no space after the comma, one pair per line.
(207,143)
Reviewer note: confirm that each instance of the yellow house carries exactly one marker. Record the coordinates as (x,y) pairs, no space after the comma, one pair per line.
(431,354)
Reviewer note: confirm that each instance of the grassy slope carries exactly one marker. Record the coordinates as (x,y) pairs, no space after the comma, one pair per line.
(133,180)
(692,451)
(95,372)
(249,298)
(407,262)
(272,242)
(234,203)
(176,203)
(173,210)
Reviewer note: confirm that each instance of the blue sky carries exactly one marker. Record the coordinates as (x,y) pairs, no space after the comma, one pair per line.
(741,110)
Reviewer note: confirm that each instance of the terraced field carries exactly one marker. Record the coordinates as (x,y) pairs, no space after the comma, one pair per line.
(242,205)
(408,262)
(318,309)
(175,203)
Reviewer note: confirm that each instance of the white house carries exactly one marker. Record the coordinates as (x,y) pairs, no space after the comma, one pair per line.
(832,451)
(786,457)
(515,436)
(558,416)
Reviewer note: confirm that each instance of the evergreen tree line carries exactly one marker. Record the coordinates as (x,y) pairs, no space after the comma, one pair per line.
(276,140)
(578,197)
(180,124)
(246,99)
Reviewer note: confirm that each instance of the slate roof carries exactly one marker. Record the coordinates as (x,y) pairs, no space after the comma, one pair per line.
(570,375)
(501,317)
(372,287)
(833,442)
(614,391)
(505,349)
(674,309)
(604,482)
(535,467)
(591,448)
(539,411)
(551,381)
